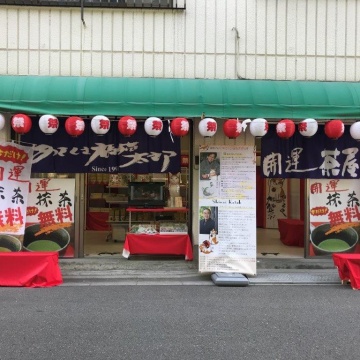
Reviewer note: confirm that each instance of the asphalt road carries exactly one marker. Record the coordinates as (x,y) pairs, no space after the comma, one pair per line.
(180,322)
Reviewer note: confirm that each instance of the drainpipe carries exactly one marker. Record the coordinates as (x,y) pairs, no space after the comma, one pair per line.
(82,12)
(237,39)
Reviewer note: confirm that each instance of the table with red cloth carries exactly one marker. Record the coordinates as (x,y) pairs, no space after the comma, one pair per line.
(30,269)
(291,232)
(348,266)
(158,244)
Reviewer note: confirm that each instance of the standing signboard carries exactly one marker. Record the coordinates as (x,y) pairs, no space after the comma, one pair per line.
(227,209)
(334,216)
(50,216)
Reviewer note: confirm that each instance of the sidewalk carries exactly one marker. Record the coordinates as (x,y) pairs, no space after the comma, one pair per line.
(167,270)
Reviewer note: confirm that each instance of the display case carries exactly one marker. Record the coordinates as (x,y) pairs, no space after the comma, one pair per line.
(116,199)
(97,211)
(157,218)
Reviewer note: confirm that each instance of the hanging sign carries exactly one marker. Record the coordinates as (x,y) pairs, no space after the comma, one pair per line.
(108,153)
(15,171)
(313,157)
(227,209)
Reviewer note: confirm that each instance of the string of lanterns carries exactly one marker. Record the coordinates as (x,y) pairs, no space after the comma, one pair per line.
(285,128)
(232,128)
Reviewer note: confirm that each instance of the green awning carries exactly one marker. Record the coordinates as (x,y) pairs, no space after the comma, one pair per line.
(179,97)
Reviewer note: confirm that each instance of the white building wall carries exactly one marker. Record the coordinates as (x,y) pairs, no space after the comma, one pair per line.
(227,39)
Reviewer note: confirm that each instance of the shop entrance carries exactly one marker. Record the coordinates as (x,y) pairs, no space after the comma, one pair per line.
(107,199)
(279,232)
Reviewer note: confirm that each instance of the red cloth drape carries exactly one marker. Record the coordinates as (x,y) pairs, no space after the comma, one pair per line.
(158,245)
(291,232)
(30,269)
(348,266)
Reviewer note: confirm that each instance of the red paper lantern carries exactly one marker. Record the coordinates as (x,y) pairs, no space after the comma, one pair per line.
(74,125)
(334,129)
(21,123)
(232,128)
(285,128)
(48,124)
(179,126)
(127,125)
(153,126)
(100,124)
(207,127)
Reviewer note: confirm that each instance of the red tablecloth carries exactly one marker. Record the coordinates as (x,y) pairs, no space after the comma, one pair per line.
(30,269)
(158,245)
(291,232)
(348,266)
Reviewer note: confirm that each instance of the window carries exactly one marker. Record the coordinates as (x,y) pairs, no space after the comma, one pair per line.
(140,4)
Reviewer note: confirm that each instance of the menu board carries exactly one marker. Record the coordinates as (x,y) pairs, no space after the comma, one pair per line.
(50,218)
(334,216)
(227,209)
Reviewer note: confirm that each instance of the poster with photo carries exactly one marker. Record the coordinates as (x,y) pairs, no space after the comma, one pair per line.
(227,209)
(334,216)
(50,216)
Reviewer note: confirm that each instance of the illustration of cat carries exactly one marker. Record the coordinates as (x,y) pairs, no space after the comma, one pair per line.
(276,190)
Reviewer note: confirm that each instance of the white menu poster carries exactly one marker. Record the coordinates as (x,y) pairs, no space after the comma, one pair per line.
(50,218)
(227,209)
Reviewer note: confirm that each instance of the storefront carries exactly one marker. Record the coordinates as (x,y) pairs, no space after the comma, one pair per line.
(164,98)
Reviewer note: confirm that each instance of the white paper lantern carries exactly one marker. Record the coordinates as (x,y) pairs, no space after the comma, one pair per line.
(355,130)
(48,124)
(308,127)
(207,127)
(100,124)
(2,121)
(153,126)
(259,127)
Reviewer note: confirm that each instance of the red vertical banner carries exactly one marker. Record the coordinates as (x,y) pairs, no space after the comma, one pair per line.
(15,172)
